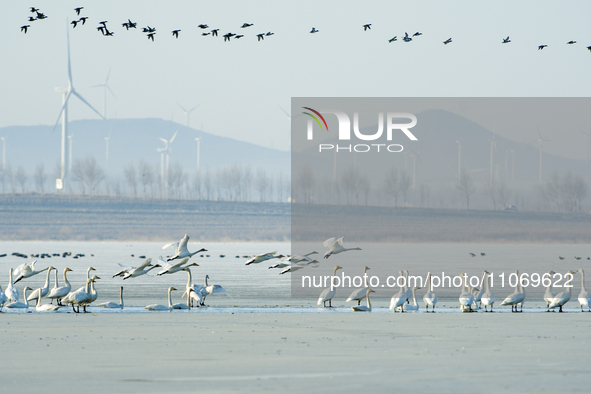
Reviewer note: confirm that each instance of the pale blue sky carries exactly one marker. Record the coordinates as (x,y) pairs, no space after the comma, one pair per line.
(241,84)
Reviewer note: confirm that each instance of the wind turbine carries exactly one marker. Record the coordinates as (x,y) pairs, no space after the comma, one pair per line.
(63,114)
(107,150)
(106,87)
(540,141)
(459,160)
(198,151)
(187,113)
(166,150)
(586,144)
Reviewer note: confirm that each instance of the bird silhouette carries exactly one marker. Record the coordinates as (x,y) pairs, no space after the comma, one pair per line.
(227,36)
(245,25)
(41,15)
(269,33)
(32,19)
(33,9)
(261,36)
(506,40)
(540,47)
(74,23)
(448,41)
(101,29)
(214,32)
(472,255)
(238,36)
(417,34)
(202,26)
(104,23)
(78,9)
(175,33)
(132,25)
(108,33)
(314,30)
(367,26)
(571,42)
(125,25)
(24,28)
(406,38)
(151,36)
(148,29)
(589,48)
(393,39)
(83,19)
(206,34)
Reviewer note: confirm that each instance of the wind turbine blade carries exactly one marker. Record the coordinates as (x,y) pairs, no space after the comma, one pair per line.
(173,137)
(108,74)
(98,86)
(184,110)
(111,91)
(285,112)
(69,65)
(195,107)
(163,140)
(62,110)
(86,102)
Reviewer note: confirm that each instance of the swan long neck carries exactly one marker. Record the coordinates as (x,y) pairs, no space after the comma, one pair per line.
(56,278)
(25,295)
(429,283)
(121,296)
(47,280)
(583,281)
(10,277)
(368,302)
(88,273)
(549,288)
(170,298)
(334,273)
(67,284)
(487,284)
(206,277)
(414,298)
(189,279)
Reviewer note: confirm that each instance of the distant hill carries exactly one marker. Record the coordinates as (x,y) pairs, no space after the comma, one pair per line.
(132,140)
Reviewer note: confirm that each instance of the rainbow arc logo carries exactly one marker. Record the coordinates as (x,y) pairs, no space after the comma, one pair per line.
(315,118)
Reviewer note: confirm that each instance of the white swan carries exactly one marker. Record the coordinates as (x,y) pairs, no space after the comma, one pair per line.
(195,291)
(212,289)
(328,293)
(172,268)
(93,293)
(42,290)
(87,277)
(487,299)
(139,272)
(363,308)
(17,304)
(160,307)
(259,258)
(182,251)
(430,299)
(412,306)
(46,307)
(186,305)
(518,296)
(112,304)
(11,292)
(128,269)
(584,296)
(359,294)
(78,297)
(57,293)
(27,271)
(401,297)
(562,298)
(3,298)
(335,246)
(549,294)
(479,292)
(24,267)
(466,298)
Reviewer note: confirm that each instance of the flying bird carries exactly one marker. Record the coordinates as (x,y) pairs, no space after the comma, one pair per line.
(181,250)
(417,34)
(238,36)
(78,9)
(101,29)
(589,48)
(32,19)
(406,38)
(83,19)
(148,29)
(506,40)
(269,33)
(151,36)
(245,25)
(367,26)
(227,36)
(175,33)
(108,33)
(125,25)
(24,28)
(202,26)
(104,23)
(214,32)
(41,15)
(571,42)
(206,34)
(260,37)
(335,246)
(33,9)
(393,39)
(74,23)
(540,47)
(314,30)
(447,41)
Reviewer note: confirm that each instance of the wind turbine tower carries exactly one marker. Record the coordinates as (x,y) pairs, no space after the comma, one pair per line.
(106,87)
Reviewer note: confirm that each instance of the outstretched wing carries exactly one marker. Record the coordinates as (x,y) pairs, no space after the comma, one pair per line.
(183,261)
(340,241)
(144,264)
(182,248)
(174,245)
(329,242)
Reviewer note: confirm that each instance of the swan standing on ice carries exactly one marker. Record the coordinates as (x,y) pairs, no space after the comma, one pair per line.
(584,296)
(46,307)
(401,297)
(359,294)
(363,308)
(329,293)
(479,292)
(430,299)
(335,246)
(263,257)
(414,306)
(172,268)
(182,251)
(3,298)
(212,289)
(466,298)
(518,296)
(26,271)
(195,291)
(17,304)
(487,297)
(112,304)
(78,297)
(160,307)
(58,292)
(562,298)
(11,292)
(42,290)
(549,294)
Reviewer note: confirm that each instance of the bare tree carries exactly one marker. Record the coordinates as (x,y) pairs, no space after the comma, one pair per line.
(405,183)
(391,187)
(131,178)
(580,191)
(21,178)
(78,174)
(305,182)
(10,177)
(247,176)
(207,185)
(490,189)
(197,184)
(93,173)
(40,177)
(365,188)
(503,193)
(552,190)
(262,183)
(350,183)
(466,187)
(146,176)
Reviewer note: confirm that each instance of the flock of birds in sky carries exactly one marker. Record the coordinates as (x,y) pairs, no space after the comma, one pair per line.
(470,299)
(206,31)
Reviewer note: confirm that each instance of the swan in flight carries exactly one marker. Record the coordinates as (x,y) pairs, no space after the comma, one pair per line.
(128,270)
(487,299)
(11,292)
(182,251)
(359,294)
(363,308)
(26,271)
(412,306)
(518,296)
(584,296)
(58,292)
(562,298)
(112,304)
(17,304)
(430,299)
(294,259)
(139,271)
(46,307)
(335,246)
(42,291)
(549,294)
(263,257)
(78,297)
(172,268)
(328,293)
(466,298)
(291,268)
(160,307)
(401,297)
